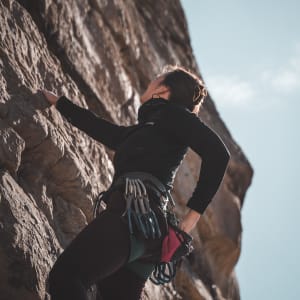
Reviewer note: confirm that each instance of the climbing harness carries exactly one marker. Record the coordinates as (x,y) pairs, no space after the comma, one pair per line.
(176,244)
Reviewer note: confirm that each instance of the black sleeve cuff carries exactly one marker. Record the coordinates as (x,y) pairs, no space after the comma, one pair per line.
(62,102)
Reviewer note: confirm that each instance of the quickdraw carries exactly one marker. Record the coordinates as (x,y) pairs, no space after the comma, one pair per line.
(164,272)
(138,208)
(98,202)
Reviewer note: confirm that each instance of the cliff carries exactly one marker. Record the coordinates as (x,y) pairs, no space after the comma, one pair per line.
(102,55)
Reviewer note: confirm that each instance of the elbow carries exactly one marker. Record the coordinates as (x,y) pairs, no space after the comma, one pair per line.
(216,153)
(222,156)
(220,152)
(226,155)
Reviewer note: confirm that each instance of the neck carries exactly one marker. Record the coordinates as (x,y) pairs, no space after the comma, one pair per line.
(148,108)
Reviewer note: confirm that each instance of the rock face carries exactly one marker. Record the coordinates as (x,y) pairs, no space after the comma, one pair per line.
(101,54)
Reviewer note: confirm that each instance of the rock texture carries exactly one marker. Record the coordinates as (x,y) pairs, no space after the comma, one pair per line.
(101,54)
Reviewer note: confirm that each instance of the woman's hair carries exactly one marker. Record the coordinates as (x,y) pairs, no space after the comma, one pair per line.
(186,88)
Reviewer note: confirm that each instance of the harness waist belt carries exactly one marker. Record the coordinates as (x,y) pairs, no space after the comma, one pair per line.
(148,179)
(134,186)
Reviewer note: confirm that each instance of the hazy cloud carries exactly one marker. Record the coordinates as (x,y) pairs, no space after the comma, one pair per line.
(286,78)
(230,90)
(269,87)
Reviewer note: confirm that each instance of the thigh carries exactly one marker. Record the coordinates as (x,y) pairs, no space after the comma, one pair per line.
(99,250)
(123,284)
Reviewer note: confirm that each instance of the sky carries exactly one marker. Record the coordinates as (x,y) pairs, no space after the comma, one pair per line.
(248,53)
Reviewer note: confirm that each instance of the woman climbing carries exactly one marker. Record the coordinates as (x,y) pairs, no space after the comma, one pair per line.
(118,249)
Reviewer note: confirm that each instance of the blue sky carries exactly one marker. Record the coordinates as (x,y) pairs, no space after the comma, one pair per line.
(248,53)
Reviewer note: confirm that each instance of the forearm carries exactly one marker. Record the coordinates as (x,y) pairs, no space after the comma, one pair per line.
(211,174)
(215,157)
(98,128)
(190,220)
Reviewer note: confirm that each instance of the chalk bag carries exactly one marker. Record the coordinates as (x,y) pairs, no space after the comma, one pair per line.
(176,244)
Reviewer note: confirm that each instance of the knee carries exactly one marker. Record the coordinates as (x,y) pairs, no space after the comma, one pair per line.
(65,283)
(56,277)
(60,274)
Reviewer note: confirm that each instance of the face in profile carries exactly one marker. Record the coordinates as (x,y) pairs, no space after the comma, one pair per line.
(156,90)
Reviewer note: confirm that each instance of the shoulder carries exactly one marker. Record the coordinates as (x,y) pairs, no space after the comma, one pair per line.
(179,114)
(181,123)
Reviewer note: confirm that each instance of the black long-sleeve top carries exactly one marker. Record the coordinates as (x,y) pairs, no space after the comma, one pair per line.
(157,144)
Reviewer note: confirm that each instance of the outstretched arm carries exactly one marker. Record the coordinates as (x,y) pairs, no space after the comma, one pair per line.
(188,129)
(98,128)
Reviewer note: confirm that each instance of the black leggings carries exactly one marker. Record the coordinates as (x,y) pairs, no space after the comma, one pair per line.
(100,255)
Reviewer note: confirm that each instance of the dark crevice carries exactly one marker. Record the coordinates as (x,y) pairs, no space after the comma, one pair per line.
(36,9)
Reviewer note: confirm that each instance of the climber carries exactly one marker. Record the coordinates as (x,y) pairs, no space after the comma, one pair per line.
(118,249)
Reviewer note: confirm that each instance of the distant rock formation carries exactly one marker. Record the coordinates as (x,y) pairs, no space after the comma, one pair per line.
(101,54)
